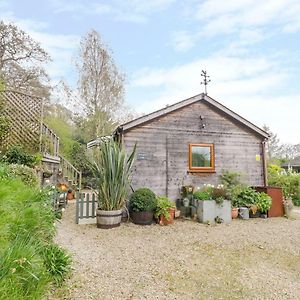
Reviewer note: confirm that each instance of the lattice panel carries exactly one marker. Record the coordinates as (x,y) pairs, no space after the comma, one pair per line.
(24,112)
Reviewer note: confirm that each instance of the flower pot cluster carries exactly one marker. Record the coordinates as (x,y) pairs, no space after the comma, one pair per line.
(144,205)
(112,168)
(251,204)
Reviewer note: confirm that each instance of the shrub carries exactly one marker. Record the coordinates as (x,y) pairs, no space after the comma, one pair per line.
(142,199)
(289,181)
(245,196)
(230,179)
(17,155)
(202,195)
(210,192)
(263,202)
(26,174)
(219,194)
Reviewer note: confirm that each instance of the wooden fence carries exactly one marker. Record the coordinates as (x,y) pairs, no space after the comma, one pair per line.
(86,208)
(24,113)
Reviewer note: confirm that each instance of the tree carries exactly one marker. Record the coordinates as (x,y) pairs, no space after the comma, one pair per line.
(20,61)
(101,85)
(277,152)
(273,144)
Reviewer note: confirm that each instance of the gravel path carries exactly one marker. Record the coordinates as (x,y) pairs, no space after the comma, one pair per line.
(254,259)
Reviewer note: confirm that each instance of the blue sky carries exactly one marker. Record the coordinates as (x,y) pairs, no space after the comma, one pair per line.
(250,48)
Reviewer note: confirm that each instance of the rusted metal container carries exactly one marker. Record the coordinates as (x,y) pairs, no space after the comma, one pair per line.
(276,194)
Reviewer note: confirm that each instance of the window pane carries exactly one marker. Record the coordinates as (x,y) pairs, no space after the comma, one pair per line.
(201,157)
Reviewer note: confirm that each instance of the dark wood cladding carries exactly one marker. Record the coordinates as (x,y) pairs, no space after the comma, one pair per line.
(162,162)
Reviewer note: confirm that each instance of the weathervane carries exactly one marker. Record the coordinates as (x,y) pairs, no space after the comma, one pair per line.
(205,81)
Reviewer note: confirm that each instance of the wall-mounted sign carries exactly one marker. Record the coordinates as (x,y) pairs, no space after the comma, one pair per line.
(144,156)
(257,157)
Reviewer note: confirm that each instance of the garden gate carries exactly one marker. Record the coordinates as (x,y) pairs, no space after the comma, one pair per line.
(86,207)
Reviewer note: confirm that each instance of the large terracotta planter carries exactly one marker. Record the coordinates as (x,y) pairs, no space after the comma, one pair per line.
(164,221)
(107,219)
(234,212)
(142,217)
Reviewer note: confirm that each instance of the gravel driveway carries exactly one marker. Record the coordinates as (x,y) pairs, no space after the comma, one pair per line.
(253,259)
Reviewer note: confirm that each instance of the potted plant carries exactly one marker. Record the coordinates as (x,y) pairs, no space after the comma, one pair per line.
(112,168)
(254,211)
(142,204)
(165,211)
(206,206)
(263,203)
(212,202)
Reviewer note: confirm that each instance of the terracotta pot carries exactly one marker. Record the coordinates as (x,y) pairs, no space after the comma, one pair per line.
(142,217)
(108,218)
(164,221)
(234,213)
(70,196)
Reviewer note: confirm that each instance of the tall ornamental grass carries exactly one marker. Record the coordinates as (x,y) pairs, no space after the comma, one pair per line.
(30,261)
(112,167)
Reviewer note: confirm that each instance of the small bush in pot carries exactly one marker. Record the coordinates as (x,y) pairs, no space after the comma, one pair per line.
(142,204)
(165,210)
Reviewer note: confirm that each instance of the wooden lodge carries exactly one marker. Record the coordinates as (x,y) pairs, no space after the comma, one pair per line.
(191,143)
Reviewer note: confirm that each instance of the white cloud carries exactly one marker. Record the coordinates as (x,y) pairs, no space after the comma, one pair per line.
(235,15)
(183,40)
(246,85)
(134,11)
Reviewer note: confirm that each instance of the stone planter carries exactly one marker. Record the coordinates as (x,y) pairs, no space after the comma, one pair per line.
(142,217)
(108,218)
(223,211)
(208,210)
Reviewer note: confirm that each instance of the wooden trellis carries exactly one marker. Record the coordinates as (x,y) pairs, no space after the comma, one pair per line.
(24,113)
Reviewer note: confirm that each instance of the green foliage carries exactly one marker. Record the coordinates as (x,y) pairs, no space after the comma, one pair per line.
(219,194)
(57,262)
(79,159)
(18,155)
(246,196)
(22,273)
(4,121)
(210,192)
(289,181)
(112,167)
(230,179)
(163,206)
(27,230)
(24,173)
(202,195)
(63,128)
(263,202)
(142,199)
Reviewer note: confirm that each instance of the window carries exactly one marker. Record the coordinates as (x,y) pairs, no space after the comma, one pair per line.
(201,158)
